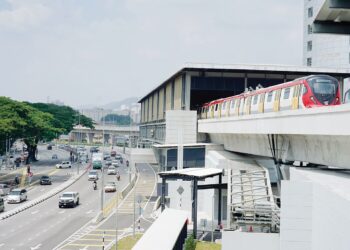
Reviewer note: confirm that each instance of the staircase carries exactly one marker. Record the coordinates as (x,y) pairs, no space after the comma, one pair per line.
(252,204)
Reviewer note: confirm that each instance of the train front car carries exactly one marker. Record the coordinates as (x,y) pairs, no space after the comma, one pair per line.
(321,90)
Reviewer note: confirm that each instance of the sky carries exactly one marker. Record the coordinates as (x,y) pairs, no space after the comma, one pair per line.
(92,52)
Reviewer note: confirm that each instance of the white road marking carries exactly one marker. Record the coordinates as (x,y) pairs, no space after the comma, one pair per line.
(2,244)
(35,212)
(89,212)
(43,189)
(36,247)
(61,212)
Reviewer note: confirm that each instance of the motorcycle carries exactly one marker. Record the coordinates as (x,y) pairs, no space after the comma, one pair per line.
(95,186)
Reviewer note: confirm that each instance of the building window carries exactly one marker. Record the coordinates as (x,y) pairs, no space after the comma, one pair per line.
(310,12)
(309,29)
(309,45)
(309,61)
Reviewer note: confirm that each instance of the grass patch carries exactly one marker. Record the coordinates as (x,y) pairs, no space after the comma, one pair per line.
(127,243)
(202,245)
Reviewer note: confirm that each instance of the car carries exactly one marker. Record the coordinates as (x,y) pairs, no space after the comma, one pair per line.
(49,147)
(2,205)
(113,153)
(54,157)
(94,150)
(17,195)
(115,163)
(108,162)
(106,156)
(118,157)
(68,199)
(93,175)
(45,180)
(111,170)
(4,189)
(64,164)
(110,187)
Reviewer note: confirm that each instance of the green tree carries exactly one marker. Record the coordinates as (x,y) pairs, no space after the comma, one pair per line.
(19,120)
(117,119)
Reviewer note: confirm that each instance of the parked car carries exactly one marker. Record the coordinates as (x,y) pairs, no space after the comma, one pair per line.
(111,170)
(17,195)
(115,163)
(45,180)
(110,187)
(93,175)
(68,199)
(64,164)
(54,157)
(4,189)
(2,204)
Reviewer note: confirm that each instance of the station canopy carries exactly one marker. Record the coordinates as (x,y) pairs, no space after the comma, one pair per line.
(191,173)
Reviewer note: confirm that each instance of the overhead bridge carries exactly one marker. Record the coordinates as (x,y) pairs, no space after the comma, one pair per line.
(317,135)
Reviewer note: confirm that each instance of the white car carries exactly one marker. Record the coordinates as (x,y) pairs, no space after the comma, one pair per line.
(68,199)
(64,164)
(110,187)
(111,170)
(4,189)
(93,175)
(115,163)
(17,195)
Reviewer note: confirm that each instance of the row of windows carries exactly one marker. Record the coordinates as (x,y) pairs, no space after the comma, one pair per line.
(286,95)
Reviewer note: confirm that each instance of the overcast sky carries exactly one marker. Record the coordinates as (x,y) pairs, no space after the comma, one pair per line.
(98,51)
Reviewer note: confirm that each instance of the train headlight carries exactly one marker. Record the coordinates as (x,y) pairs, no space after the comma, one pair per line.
(313,99)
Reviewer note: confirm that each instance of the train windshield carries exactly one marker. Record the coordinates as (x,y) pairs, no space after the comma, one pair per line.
(324,88)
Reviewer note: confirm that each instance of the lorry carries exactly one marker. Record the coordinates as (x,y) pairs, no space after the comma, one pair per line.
(97,159)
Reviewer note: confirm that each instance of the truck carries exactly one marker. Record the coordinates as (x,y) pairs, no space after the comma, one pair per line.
(97,159)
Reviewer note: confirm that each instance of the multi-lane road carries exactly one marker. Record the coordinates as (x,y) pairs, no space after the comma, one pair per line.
(45,226)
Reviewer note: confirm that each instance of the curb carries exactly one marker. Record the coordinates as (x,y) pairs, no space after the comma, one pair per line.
(48,195)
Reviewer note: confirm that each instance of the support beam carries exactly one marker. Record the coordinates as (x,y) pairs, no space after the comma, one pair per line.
(194,206)
(219,202)
(212,186)
(340,28)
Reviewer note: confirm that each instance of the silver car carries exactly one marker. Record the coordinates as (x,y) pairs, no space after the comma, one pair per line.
(17,195)
(111,170)
(4,189)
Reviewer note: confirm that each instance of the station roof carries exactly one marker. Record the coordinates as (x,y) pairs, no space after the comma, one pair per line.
(248,68)
(184,145)
(191,173)
(333,17)
(164,232)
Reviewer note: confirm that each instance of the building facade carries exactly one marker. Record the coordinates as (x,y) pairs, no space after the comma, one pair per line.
(323,50)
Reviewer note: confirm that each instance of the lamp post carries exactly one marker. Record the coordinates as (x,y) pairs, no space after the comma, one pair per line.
(102,178)
(116,222)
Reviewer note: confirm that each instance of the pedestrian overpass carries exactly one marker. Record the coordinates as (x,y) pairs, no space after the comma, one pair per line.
(317,135)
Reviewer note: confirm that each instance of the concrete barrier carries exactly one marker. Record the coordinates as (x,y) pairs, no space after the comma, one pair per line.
(44,197)
(128,187)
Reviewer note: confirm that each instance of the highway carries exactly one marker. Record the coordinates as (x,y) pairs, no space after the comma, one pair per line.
(44,226)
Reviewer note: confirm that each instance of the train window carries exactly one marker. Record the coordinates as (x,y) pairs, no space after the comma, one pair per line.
(232,104)
(255,100)
(269,96)
(216,107)
(286,93)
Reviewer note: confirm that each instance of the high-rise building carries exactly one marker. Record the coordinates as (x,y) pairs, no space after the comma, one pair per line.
(323,50)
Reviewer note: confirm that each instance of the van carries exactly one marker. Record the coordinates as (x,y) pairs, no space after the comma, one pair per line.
(2,205)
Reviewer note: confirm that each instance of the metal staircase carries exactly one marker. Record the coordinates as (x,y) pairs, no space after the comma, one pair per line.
(252,204)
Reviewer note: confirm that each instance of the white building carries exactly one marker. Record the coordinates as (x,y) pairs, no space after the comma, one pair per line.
(323,50)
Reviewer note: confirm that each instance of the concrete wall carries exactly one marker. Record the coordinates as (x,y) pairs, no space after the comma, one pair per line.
(168,96)
(161,103)
(150,106)
(180,120)
(155,106)
(315,211)
(232,240)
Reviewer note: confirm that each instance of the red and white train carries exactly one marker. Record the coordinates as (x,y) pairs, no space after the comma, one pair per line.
(307,92)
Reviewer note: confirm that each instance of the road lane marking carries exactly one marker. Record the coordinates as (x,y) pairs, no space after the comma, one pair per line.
(35,212)
(2,244)
(89,212)
(43,189)
(36,247)
(62,212)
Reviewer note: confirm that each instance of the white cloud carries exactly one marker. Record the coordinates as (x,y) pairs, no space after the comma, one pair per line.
(23,14)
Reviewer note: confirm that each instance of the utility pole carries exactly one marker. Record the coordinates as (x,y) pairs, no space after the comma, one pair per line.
(102,178)
(133,229)
(116,222)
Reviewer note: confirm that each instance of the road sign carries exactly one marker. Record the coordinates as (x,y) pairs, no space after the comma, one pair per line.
(180,190)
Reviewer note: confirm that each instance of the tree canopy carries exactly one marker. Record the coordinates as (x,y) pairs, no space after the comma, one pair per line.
(33,122)
(117,119)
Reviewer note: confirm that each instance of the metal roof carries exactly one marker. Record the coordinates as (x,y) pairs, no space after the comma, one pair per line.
(164,232)
(191,173)
(248,68)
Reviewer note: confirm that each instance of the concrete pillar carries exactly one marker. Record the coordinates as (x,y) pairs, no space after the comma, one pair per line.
(163,194)
(219,201)
(194,206)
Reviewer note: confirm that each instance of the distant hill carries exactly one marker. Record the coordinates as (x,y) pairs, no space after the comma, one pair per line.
(118,104)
